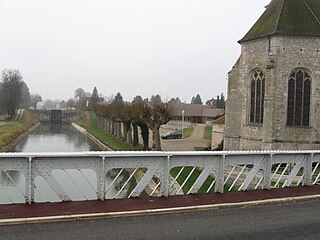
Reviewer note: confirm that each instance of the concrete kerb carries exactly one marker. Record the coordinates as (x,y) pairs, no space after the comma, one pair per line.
(77,217)
(93,138)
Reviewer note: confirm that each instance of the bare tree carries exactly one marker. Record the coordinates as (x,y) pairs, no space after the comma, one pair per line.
(35,99)
(81,98)
(71,104)
(11,90)
(140,113)
(158,113)
(79,93)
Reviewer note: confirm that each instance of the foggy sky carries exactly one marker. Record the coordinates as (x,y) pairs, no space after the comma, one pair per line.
(175,48)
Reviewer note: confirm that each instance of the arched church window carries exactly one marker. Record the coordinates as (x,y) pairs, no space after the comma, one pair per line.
(299,89)
(257,96)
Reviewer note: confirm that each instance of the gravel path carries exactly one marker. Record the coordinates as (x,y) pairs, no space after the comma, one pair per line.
(187,144)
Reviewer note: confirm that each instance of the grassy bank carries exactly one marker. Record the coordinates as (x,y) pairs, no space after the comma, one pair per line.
(13,129)
(87,121)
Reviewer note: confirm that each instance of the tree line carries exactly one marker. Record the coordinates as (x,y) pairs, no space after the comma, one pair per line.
(143,113)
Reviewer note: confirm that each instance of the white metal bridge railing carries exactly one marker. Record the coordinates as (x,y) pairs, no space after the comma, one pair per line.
(54,177)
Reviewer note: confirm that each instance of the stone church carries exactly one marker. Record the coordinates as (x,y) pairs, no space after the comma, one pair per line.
(274,87)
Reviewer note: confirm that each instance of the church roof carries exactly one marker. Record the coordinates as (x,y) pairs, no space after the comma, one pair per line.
(287,18)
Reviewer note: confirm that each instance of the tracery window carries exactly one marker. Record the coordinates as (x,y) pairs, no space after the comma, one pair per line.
(257,96)
(299,89)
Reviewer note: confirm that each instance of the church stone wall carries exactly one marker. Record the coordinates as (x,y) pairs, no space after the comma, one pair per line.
(292,53)
(277,58)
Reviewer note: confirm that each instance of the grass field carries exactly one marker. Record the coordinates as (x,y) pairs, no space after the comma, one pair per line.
(13,129)
(187,132)
(205,188)
(88,122)
(208,132)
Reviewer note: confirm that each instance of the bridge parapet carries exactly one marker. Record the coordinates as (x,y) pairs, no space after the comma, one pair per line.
(55,177)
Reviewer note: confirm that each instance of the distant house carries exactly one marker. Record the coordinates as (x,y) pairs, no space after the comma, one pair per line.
(195,113)
(212,103)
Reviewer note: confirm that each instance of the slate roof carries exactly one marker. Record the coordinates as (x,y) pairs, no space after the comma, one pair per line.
(196,110)
(288,18)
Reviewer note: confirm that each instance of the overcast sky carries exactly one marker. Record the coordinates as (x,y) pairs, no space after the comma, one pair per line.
(175,48)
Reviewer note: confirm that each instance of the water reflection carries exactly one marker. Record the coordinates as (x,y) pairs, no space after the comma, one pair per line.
(56,138)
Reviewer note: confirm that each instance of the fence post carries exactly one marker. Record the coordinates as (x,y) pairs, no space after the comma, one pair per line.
(307,170)
(164,187)
(267,172)
(101,180)
(30,183)
(220,174)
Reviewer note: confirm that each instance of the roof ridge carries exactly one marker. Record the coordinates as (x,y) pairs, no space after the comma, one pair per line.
(311,11)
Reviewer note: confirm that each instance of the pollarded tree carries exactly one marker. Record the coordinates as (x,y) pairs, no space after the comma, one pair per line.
(138,109)
(11,90)
(155,115)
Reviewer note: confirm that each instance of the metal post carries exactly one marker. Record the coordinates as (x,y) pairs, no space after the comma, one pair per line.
(30,182)
(182,123)
(219,185)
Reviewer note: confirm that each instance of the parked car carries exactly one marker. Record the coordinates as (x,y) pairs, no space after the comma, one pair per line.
(171,135)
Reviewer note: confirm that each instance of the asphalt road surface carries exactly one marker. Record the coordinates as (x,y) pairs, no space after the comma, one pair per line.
(289,221)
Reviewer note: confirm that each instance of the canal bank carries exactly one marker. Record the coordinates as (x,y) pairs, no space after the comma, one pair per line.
(15,141)
(12,132)
(88,122)
(92,137)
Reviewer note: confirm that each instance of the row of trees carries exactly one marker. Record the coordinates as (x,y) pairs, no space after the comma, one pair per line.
(148,115)
(85,100)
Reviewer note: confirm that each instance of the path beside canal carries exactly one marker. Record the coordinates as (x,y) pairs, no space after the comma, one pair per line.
(186,144)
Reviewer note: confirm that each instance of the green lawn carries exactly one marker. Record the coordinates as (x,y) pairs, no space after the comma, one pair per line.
(88,122)
(14,129)
(185,173)
(208,132)
(187,132)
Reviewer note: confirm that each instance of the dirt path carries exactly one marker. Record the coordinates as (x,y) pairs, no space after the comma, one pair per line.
(187,144)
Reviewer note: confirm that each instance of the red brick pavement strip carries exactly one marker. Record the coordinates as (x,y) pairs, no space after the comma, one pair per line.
(25,211)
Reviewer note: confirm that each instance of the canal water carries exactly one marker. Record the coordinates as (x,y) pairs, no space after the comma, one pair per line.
(57,138)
